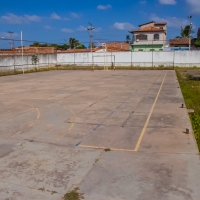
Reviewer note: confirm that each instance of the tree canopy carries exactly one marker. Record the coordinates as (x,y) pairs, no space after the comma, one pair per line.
(198,33)
(72,43)
(128,39)
(185,32)
(197,42)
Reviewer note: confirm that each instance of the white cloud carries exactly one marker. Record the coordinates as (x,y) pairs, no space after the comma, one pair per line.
(48,27)
(143,2)
(102,7)
(171,21)
(74,15)
(168,2)
(194,6)
(123,26)
(11,18)
(66,19)
(55,16)
(97,29)
(67,30)
(81,28)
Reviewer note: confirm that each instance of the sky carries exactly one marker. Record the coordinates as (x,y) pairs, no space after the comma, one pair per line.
(55,21)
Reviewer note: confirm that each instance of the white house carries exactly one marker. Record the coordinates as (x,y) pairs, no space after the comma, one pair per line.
(150,36)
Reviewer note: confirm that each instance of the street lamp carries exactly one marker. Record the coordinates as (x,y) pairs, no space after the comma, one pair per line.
(190,17)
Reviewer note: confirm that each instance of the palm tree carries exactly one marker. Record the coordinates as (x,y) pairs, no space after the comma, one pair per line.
(73,43)
(186,31)
(128,38)
(198,33)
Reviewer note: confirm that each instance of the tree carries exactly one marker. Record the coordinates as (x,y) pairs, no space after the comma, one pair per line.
(197,42)
(198,33)
(93,45)
(35,44)
(73,43)
(81,46)
(186,31)
(128,38)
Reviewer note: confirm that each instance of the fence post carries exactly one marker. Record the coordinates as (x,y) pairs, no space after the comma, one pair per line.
(131,59)
(14,61)
(174,59)
(48,60)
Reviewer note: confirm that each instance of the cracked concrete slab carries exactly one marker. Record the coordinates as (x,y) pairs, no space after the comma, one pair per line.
(55,126)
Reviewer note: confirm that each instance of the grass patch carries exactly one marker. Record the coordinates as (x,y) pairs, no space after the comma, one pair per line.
(107,149)
(73,195)
(191,93)
(80,67)
(43,190)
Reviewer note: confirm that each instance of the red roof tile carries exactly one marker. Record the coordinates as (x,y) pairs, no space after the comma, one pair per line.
(177,41)
(118,46)
(77,50)
(148,29)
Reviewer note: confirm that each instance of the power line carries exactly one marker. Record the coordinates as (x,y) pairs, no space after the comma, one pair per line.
(90,28)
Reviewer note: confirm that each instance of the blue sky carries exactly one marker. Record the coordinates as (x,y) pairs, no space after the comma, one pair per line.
(55,20)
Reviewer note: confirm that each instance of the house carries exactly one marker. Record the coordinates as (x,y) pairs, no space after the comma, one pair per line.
(181,43)
(150,36)
(114,47)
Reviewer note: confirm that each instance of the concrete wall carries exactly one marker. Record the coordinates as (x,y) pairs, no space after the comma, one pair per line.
(15,62)
(177,58)
(143,59)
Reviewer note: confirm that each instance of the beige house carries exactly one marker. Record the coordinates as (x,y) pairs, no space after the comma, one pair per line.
(150,36)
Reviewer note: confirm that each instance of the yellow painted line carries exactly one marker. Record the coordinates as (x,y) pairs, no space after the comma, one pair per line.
(143,130)
(31,124)
(15,134)
(112,149)
(38,116)
(149,116)
(70,128)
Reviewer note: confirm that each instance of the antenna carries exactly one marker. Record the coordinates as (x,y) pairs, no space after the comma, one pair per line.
(11,40)
(90,28)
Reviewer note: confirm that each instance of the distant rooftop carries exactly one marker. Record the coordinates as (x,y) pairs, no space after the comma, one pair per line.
(179,41)
(148,29)
(156,23)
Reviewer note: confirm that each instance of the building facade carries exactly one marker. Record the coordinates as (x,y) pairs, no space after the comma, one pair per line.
(150,36)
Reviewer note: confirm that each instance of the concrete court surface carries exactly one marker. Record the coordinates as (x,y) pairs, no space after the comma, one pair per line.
(54,127)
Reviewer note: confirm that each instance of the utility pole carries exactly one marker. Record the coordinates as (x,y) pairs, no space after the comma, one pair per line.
(11,40)
(190,17)
(90,28)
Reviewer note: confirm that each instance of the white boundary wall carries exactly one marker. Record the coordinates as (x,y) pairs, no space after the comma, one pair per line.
(143,59)
(15,62)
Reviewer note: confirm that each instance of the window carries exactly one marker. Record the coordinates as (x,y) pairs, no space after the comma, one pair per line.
(156,36)
(152,49)
(141,37)
(140,49)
